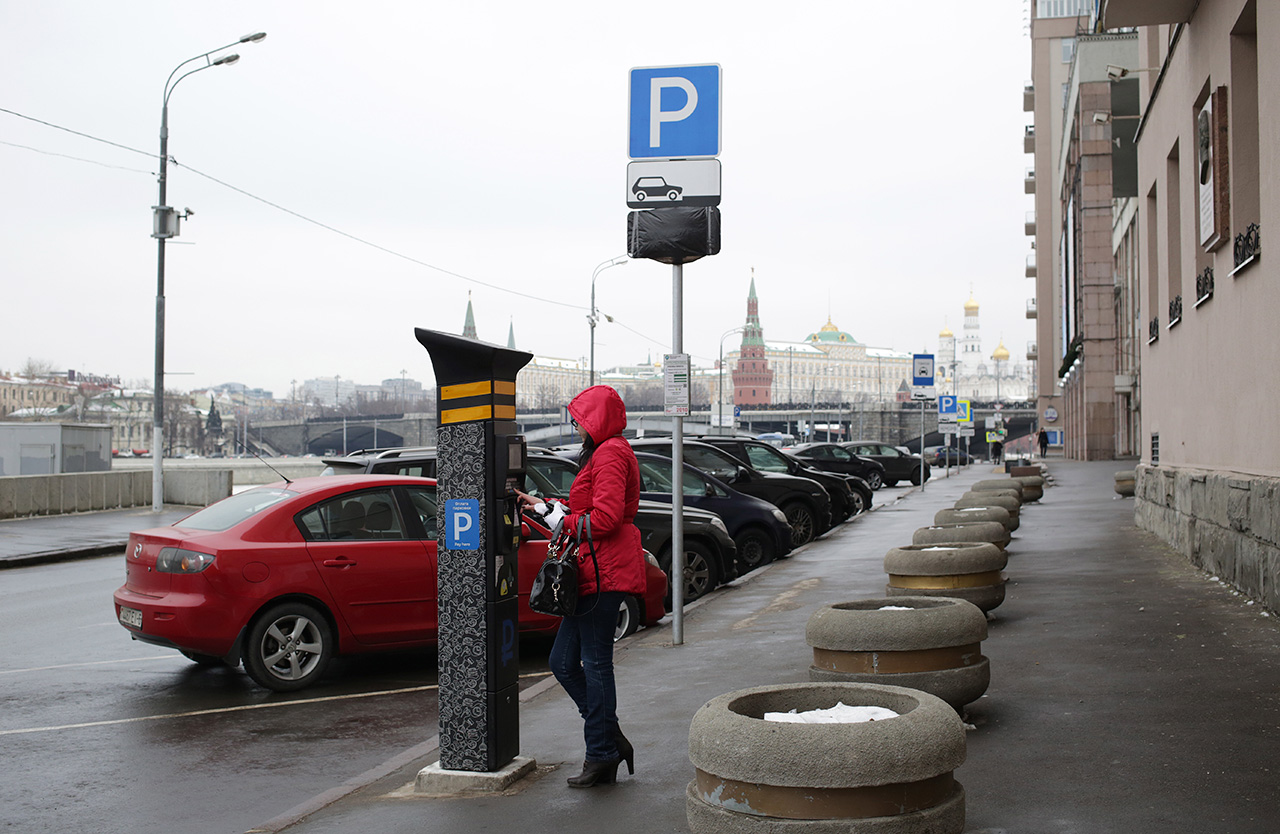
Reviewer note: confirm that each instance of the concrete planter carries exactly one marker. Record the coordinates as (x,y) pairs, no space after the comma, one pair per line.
(1032,487)
(1014,494)
(882,777)
(1125,482)
(971,571)
(1020,471)
(997,484)
(971,529)
(934,646)
(990,499)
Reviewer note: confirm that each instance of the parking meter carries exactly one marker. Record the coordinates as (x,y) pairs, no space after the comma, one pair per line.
(480,462)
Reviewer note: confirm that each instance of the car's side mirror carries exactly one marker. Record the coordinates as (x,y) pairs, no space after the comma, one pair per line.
(743,474)
(708,490)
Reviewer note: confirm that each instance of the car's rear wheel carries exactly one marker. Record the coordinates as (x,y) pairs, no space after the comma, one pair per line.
(673,195)
(915,478)
(203,659)
(288,647)
(700,573)
(874,480)
(859,502)
(890,482)
(628,618)
(755,549)
(640,196)
(800,517)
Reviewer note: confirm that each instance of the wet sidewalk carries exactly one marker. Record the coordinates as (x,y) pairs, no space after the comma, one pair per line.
(55,538)
(1129,692)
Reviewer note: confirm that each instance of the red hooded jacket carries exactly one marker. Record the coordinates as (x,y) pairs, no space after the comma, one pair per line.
(608,487)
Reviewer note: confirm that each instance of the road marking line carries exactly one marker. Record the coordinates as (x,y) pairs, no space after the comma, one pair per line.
(89,663)
(242,708)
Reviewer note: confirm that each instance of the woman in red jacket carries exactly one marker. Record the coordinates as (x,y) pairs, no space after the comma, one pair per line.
(607,492)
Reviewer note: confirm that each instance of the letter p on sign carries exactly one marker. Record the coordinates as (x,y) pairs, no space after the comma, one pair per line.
(675,112)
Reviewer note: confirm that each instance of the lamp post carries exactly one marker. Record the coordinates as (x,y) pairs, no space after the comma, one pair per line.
(720,382)
(165,226)
(592,318)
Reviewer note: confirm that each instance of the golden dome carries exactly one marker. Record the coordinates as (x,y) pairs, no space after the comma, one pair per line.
(971,306)
(946,333)
(1001,354)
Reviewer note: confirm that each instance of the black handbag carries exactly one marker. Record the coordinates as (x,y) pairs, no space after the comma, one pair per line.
(555,587)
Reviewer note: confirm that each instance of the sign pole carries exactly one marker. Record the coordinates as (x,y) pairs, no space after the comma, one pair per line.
(677,468)
(922,410)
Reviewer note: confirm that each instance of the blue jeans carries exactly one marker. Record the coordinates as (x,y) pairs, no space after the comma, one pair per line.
(582,661)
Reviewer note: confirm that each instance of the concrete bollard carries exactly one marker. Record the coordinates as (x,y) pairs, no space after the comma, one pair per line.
(893,776)
(971,571)
(934,646)
(969,530)
(992,499)
(1125,482)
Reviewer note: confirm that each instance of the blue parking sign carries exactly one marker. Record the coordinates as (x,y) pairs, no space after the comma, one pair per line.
(675,112)
(462,524)
(947,405)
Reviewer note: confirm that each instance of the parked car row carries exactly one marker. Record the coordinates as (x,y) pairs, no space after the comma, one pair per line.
(283,577)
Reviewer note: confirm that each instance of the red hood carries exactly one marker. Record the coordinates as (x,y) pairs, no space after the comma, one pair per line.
(600,411)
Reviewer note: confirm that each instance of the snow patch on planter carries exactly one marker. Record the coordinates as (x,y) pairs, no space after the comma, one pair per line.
(841,713)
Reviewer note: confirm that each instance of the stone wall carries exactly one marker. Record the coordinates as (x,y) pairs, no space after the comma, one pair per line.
(1224,523)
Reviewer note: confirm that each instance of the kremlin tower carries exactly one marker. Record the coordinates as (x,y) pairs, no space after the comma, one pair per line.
(752,378)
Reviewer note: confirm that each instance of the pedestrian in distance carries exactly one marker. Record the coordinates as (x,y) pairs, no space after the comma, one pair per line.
(1043,439)
(606,491)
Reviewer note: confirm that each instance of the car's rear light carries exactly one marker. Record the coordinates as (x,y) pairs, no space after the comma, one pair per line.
(177,560)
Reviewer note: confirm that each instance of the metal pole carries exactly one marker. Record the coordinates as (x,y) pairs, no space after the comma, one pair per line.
(591,317)
(720,388)
(157,435)
(677,468)
(922,445)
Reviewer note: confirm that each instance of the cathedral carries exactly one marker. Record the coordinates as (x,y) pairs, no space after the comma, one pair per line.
(964,370)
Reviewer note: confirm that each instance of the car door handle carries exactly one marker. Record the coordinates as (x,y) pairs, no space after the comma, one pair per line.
(344,562)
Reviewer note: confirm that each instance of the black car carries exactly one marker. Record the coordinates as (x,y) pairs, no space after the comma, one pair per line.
(850,495)
(898,465)
(950,455)
(805,502)
(832,457)
(758,528)
(710,553)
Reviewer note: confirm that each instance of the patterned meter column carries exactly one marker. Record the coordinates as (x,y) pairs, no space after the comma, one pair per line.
(480,462)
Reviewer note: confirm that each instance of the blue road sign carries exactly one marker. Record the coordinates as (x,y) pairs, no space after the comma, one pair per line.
(922,370)
(947,404)
(462,524)
(675,112)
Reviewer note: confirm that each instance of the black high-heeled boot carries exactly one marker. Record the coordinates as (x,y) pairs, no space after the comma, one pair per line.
(595,773)
(626,752)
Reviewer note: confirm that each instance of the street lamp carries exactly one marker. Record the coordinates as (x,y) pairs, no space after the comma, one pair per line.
(621,260)
(165,226)
(720,383)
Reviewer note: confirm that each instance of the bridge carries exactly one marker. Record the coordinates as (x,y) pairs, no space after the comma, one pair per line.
(894,423)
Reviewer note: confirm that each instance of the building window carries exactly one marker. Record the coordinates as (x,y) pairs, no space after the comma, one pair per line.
(1068,49)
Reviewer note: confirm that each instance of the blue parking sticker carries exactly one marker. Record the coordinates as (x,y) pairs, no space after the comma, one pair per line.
(462,524)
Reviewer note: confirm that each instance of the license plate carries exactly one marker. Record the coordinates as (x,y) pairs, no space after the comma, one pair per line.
(131,617)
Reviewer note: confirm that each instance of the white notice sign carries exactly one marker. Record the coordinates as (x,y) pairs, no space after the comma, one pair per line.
(675,394)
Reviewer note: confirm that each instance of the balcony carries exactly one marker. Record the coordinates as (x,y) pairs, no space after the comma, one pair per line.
(1032,353)
(1028,98)
(1031,265)
(1031,308)
(1121,13)
(1030,223)
(1029,140)
(1029,181)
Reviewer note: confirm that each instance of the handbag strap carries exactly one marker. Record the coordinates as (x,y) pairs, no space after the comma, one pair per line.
(591,548)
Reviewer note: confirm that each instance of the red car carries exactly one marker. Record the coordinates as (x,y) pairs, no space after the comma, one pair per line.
(283,577)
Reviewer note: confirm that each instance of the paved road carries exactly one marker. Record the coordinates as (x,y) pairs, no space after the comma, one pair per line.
(104,734)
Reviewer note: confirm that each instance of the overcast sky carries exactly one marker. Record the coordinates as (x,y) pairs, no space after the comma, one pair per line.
(872,171)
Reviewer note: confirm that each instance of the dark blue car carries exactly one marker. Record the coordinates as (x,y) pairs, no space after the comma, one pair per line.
(758,528)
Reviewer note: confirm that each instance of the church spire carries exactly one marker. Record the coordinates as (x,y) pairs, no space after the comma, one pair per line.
(469,326)
(511,335)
